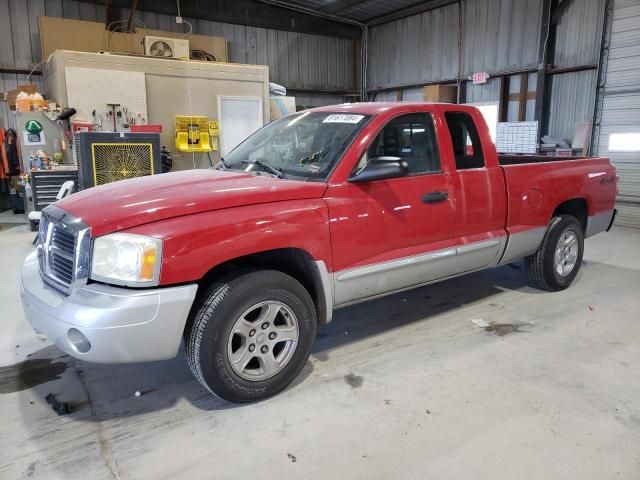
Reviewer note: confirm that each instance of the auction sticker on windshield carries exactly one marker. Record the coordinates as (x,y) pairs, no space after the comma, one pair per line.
(343,118)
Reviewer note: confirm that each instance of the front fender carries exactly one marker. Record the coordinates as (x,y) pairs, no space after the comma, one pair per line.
(194,244)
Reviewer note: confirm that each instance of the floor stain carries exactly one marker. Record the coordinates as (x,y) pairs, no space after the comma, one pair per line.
(355,381)
(502,329)
(29,373)
(321,356)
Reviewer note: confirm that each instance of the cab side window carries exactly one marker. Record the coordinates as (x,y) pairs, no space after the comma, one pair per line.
(411,137)
(467,147)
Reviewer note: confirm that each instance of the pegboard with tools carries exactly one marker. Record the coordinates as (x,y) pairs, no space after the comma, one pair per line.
(112,100)
(116,118)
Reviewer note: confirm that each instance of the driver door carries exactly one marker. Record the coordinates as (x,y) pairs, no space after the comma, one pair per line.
(395,233)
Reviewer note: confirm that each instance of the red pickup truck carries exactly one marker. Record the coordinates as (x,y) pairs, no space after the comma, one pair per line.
(318,210)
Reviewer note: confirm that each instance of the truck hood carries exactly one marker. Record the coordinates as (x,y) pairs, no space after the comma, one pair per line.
(129,203)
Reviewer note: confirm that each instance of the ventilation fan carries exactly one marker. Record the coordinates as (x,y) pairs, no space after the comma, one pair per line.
(164,47)
(160,48)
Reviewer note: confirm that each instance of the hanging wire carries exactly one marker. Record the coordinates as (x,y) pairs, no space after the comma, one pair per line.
(188,34)
(202,55)
(121,24)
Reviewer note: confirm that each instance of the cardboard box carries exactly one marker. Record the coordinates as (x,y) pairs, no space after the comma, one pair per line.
(281,106)
(12,94)
(440,93)
(81,36)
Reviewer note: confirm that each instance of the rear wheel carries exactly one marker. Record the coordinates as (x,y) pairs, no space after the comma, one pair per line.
(556,263)
(251,335)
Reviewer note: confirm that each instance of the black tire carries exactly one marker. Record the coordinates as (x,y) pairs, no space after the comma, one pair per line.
(540,266)
(210,327)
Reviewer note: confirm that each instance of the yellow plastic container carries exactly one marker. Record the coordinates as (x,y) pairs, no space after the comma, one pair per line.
(192,134)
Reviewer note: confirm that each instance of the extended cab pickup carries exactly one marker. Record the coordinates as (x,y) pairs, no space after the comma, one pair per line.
(318,210)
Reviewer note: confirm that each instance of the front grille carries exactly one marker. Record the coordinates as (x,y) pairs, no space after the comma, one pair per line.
(62,254)
(63,249)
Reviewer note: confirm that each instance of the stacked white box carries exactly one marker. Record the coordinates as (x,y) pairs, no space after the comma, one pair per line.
(517,137)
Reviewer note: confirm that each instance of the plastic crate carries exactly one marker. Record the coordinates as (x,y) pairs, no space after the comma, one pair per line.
(146,128)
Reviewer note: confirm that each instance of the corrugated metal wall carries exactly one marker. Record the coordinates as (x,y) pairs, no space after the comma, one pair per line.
(482,93)
(572,101)
(420,48)
(498,35)
(619,105)
(296,60)
(311,100)
(579,33)
(578,38)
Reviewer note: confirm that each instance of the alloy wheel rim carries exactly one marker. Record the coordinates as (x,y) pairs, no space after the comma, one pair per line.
(263,340)
(566,254)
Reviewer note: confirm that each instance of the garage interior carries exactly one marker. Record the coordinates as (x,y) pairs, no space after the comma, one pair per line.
(480,376)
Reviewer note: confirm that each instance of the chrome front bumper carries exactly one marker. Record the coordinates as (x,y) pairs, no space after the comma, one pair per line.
(104,324)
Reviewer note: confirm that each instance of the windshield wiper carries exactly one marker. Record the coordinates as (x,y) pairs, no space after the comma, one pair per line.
(224,164)
(270,168)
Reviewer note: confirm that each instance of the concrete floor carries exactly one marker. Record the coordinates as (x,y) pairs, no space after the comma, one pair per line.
(404,387)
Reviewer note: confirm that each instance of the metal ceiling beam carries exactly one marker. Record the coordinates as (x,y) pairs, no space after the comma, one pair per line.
(110,14)
(340,6)
(247,12)
(558,12)
(546,52)
(409,11)
(132,11)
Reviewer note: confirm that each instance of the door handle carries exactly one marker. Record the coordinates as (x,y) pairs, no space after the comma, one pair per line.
(434,197)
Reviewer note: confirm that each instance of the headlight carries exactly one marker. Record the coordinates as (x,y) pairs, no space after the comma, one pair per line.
(127,259)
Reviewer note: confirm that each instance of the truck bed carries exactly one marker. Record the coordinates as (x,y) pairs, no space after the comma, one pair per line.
(536,187)
(515,159)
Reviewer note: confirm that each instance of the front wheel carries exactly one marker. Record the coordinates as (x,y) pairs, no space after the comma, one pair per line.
(251,335)
(556,263)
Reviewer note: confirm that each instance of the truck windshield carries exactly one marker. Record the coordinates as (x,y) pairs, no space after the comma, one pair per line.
(305,145)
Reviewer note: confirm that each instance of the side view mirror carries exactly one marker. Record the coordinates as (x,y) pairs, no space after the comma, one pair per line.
(381,168)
